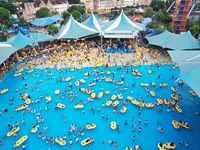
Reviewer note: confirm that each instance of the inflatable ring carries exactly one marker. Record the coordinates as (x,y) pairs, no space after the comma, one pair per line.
(108,103)
(59,105)
(27,101)
(4,91)
(78,106)
(34,129)
(57,91)
(48,98)
(113,125)
(87,141)
(91,126)
(60,141)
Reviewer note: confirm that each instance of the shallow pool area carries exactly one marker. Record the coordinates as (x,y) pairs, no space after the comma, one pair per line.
(136,124)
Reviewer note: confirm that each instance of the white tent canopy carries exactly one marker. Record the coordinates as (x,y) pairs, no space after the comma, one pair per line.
(189,64)
(6,49)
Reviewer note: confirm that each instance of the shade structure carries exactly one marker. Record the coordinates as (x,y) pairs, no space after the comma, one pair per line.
(40,37)
(75,30)
(123,25)
(46,21)
(6,49)
(189,64)
(173,41)
(20,41)
(93,22)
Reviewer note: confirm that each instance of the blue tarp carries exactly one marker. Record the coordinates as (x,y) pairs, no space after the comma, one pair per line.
(20,41)
(40,37)
(146,21)
(46,21)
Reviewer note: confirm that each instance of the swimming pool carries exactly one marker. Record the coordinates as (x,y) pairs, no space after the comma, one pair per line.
(40,83)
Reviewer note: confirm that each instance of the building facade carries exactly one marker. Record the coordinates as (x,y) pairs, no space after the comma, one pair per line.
(103,6)
(28,10)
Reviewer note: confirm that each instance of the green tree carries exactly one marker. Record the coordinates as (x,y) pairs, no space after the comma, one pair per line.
(81,9)
(149,12)
(9,6)
(43,12)
(5,17)
(23,22)
(195,30)
(54,12)
(76,14)
(159,16)
(74,1)
(66,16)
(52,30)
(157,4)
(170,28)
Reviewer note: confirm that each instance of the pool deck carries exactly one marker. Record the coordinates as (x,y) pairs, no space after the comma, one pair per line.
(64,59)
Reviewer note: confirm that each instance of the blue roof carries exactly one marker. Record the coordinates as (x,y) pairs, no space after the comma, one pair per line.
(40,37)
(172,41)
(46,21)
(75,30)
(20,40)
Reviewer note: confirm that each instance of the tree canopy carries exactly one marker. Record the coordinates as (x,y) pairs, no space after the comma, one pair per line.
(76,14)
(43,12)
(52,30)
(5,17)
(74,1)
(149,12)
(81,9)
(9,6)
(66,16)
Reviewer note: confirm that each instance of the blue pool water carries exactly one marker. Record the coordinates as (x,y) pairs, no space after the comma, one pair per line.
(54,119)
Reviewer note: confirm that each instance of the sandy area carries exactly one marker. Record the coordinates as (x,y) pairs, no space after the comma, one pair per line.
(78,58)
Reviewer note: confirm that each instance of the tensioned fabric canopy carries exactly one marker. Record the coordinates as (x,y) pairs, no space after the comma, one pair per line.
(93,22)
(75,30)
(46,21)
(173,41)
(6,49)
(123,26)
(189,64)
(20,40)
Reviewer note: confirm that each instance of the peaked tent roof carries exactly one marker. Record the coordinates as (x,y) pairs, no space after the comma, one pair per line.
(46,21)
(6,49)
(20,40)
(123,24)
(186,39)
(93,22)
(187,42)
(75,30)
(189,64)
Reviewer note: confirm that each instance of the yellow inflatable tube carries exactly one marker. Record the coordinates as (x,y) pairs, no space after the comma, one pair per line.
(87,141)
(21,140)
